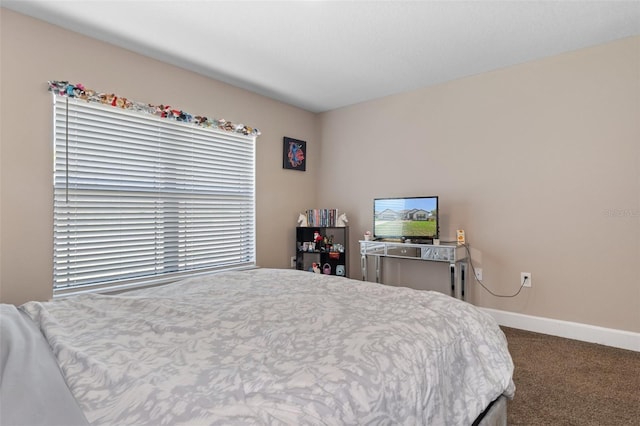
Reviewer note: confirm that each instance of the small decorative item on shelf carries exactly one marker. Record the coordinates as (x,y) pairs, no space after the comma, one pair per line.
(367,236)
(342,220)
(302,219)
(326,269)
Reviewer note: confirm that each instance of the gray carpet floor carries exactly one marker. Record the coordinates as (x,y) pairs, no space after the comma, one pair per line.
(569,382)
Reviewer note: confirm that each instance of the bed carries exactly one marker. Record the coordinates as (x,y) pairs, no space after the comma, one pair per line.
(262,346)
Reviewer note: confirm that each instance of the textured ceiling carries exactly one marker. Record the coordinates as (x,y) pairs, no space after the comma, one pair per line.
(322,55)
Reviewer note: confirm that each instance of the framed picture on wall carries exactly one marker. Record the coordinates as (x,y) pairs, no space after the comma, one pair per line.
(294,154)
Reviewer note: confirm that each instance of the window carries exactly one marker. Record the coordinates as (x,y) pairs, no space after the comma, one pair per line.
(141,200)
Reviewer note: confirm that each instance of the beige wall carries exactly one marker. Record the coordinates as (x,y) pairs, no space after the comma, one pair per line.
(33,52)
(539,163)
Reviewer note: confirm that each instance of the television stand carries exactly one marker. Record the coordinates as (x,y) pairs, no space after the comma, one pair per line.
(454,255)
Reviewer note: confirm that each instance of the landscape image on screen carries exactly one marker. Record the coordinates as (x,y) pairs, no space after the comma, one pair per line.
(415,217)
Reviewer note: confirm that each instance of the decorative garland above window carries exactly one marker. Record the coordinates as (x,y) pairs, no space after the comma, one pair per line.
(64,88)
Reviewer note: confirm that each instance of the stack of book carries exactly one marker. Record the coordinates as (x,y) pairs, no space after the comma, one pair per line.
(322,217)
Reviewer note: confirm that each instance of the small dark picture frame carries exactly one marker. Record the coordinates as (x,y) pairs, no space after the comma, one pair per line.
(294,154)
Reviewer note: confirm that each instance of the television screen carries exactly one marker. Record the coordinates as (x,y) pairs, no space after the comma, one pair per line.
(408,217)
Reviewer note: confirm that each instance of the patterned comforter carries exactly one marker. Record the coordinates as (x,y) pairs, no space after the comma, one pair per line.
(274,347)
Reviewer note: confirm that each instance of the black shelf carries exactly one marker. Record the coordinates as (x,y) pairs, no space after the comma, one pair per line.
(331,257)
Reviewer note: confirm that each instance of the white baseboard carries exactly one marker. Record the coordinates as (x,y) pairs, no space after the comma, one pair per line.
(570,330)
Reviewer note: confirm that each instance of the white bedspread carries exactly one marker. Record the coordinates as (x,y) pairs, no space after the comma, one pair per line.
(276,347)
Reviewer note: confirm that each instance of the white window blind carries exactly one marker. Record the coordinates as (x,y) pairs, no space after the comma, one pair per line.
(139,199)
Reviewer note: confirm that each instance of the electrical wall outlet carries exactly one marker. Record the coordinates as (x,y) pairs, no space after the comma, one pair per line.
(525,279)
(478,274)
(293,261)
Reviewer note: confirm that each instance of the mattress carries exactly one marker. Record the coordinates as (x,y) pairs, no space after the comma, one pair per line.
(270,346)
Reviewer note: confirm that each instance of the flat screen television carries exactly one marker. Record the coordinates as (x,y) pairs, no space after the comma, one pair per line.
(414,218)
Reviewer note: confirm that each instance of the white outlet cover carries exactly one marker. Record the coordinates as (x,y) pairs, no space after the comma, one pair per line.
(479,274)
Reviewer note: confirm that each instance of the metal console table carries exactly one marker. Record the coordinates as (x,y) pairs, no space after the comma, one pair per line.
(454,255)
